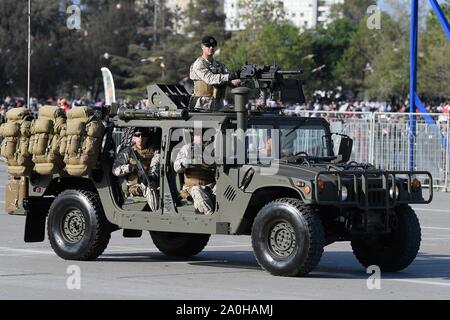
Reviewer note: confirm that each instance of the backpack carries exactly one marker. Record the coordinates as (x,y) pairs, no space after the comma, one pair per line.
(82,141)
(46,139)
(16,134)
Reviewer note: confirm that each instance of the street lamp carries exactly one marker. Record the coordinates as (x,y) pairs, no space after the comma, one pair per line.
(29,55)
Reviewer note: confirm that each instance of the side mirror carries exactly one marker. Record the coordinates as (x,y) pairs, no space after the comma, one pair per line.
(345,148)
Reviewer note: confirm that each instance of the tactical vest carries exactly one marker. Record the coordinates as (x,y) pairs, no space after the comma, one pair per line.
(46,140)
(16,134)
(145,157)
(202,89)
(198,176)
(82,141)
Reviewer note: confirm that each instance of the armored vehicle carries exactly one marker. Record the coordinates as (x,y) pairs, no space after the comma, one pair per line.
(279,180)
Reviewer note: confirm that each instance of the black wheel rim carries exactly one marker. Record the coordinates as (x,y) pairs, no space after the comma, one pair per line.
(282,241)
(73,225)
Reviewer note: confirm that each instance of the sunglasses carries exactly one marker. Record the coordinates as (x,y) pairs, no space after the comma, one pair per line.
(210,45)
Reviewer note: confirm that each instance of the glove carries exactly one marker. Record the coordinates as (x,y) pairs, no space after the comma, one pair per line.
(232,76)
(153,173)
(236,82)
(132,168)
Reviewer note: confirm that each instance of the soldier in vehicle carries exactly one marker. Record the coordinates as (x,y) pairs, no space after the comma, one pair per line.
(199,177)
(210,78)
(126,166)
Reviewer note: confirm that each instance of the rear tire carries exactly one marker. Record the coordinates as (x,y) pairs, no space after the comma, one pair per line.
(395,251)
(77,227)
(177,244)
(287,238)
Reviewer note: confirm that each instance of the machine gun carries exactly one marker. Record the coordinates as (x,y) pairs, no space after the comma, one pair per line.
(269,79)
(140,168)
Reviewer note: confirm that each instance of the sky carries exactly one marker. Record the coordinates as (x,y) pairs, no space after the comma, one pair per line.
(383,6)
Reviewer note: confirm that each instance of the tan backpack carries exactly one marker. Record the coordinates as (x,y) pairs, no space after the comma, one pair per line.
(16,134)
(82,141)
(46,139)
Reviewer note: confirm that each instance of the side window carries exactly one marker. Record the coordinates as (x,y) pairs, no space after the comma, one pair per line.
(260,143)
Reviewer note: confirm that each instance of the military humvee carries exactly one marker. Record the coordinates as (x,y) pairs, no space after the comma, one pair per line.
(294,198)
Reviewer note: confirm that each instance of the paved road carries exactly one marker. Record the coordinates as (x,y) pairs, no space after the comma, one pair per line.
(134,269)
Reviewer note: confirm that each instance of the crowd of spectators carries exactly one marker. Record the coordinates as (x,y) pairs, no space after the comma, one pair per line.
(368,106)
(12,102)
(317,105)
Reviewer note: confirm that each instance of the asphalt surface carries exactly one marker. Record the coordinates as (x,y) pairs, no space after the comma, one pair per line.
(226,269)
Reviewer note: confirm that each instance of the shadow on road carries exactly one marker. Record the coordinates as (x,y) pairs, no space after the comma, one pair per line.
(334,264)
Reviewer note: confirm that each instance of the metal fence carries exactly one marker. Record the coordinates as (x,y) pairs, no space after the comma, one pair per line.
(383,140)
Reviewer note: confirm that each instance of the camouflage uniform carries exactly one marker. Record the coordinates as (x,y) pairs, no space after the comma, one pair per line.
(210,80)
(199,180)
(150,160)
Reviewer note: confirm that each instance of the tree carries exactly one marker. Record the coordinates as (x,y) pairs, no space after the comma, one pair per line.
(12,48)
(353,10)
(434,76)
(202,17)
(134,72)
(329,46)
(47,33)
(265,32)
(255,14)
(389,75)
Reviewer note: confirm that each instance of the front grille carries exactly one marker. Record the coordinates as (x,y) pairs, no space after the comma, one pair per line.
(376,194)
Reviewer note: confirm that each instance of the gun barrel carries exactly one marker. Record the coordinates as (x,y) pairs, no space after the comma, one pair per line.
(128,114)
(288,72)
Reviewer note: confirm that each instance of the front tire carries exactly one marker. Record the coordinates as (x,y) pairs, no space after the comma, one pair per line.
(394,251)
(287,238)
(176,244)
(77,227)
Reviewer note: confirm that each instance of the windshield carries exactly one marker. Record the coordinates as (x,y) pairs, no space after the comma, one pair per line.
(293,140)
(303,139)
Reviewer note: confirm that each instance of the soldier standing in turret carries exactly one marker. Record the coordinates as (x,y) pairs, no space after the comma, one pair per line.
(210,78)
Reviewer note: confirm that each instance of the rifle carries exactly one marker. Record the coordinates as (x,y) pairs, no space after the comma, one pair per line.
(269,79)
(151,195)
(140,168)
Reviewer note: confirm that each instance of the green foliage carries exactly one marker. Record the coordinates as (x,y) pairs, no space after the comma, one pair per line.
(203,17)
(434,80)
(329,47)
(254,14)
(352,10)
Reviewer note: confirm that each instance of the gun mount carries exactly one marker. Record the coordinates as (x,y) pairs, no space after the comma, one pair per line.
(168,97)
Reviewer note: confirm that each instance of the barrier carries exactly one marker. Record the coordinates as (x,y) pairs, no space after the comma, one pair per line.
(382,139)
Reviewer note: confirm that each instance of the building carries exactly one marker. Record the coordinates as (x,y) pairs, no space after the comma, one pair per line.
(304,14)
(177,7)
(323,11)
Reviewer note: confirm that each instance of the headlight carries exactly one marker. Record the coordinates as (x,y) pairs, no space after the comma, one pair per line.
(344,193)
(397,192)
